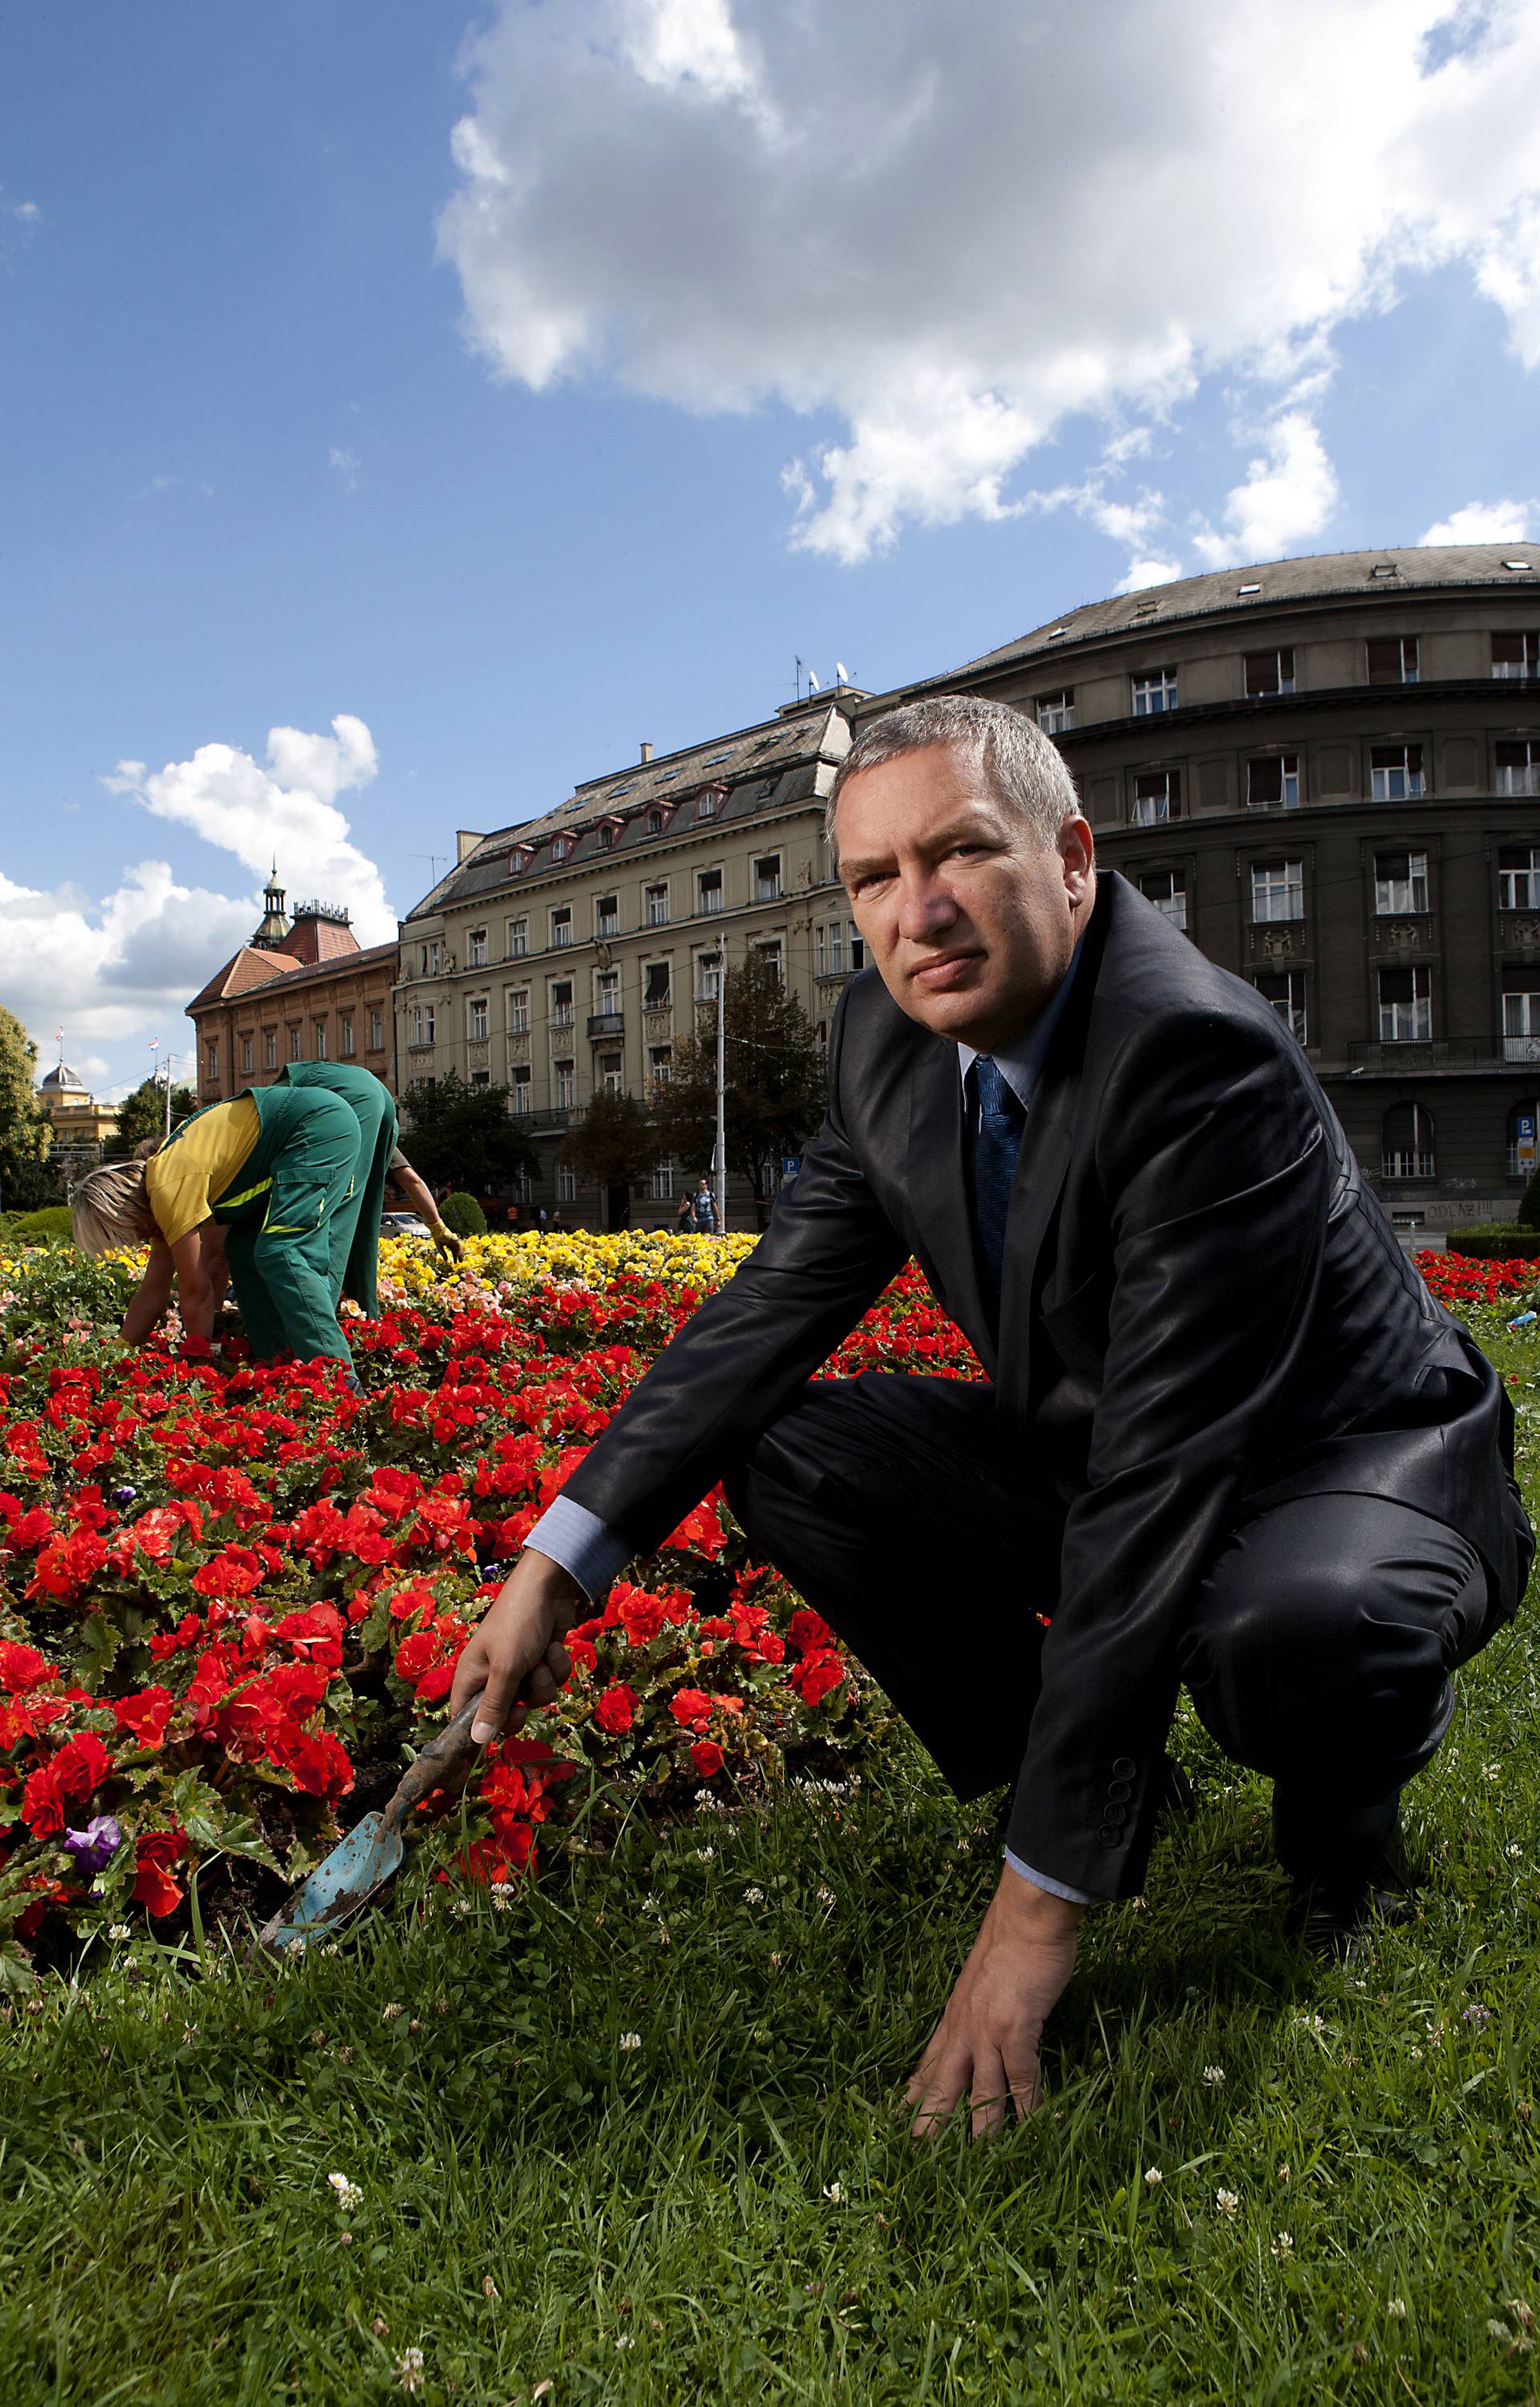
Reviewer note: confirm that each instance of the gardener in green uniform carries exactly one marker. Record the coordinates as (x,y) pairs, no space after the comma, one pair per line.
(289,1177)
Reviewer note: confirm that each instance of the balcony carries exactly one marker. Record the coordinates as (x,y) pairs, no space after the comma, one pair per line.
(606,1023)
(1414,1056)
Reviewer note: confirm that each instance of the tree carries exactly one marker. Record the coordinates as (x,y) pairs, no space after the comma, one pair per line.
(26,1180)
(466,1134)
(143,1114)
(614,1147)
(775,1084)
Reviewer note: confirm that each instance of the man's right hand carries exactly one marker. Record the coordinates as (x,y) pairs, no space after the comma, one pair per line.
(516,1652)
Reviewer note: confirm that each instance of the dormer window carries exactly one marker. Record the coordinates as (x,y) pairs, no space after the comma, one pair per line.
(709,801)
(560,846)
(655,822)
(521,857)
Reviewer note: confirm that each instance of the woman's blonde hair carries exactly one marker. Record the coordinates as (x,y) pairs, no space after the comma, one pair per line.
(110,1208)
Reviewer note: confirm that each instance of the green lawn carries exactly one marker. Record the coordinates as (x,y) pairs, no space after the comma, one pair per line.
(731,2209)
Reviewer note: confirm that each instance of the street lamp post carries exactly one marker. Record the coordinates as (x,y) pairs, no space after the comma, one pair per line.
(719,1158)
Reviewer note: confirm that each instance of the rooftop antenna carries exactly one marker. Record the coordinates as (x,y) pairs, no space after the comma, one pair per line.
(432,859)
(799,680)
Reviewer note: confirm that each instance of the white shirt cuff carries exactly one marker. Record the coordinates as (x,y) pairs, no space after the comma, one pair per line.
(582,1543)
(1040,1880)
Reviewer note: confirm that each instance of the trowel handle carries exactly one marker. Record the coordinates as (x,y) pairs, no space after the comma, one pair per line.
(433,1765)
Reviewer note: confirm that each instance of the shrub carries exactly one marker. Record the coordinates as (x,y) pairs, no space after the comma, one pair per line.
(464,1215)
(33,1227)
(1496,1241)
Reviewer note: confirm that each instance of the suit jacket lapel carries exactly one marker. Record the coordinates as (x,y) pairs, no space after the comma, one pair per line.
(938,1190)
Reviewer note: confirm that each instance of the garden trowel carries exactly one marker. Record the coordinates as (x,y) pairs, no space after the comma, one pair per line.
(362,1862)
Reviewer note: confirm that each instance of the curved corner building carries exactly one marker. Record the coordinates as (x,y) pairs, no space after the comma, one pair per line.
(1327,772)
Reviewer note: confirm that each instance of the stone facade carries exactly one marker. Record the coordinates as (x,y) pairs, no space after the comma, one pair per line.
(81,1126)
(567,954)
(1328,771)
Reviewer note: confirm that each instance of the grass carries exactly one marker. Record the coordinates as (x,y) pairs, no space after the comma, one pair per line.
(731,2209)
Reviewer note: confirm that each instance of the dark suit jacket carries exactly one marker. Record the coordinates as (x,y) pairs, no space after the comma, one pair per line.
(1203,1310)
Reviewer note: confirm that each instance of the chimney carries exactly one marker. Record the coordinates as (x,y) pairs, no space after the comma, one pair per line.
(466,841)
(646,754)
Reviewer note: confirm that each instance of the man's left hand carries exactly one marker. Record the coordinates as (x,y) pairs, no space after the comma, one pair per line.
(986,2043)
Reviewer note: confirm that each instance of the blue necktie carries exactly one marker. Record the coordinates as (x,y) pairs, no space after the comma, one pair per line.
(999,1119)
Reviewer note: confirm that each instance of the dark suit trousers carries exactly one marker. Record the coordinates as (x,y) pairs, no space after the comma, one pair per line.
(1317,1649)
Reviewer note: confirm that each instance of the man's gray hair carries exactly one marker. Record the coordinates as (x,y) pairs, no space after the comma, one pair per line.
(1018,763)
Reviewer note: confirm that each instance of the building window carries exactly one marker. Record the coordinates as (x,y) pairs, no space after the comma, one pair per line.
(1521,1026)
(655,822)
(270,1048)
(708,802)
(376,1032)
(1391,660)
(1271,784)
(836,948)
(607,916)
(770,954)
(606,834)
(658,906)
(349,1048)
(1405,1006)
(518,1012)
(1516,656)
(1166,888)
(561,925)
(663,1178)
(1157,797)
(296,1051)
(1285,990)
(607,990)
(766,878)
(1523,1129)
(522,1083)
(1401,882)
(1518,877)
(519,857)
(857,949)
(433,959)
(1057,711)
(475,950)
(566,1183)
(1269,672)
(1155,691)
(211,1053)
(481,1078)
(1518,767)
(246,1052)
(706,970)
(561,846)
(475,1020)
(319,1054)
(1395,772)
(661,1063)
(657,994)
(708,889)
(1278,889)
(1407,1147)
(565,1086)
(561,1004)
(518,939)
(612,1074)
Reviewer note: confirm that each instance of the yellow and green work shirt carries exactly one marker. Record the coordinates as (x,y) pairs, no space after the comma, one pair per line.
(190,1174)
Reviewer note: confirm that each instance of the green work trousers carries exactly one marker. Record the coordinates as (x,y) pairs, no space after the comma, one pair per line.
(304,1229)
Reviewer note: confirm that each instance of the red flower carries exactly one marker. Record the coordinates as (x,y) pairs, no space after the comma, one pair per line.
(21,1668)
(691,1708)
(640,1615)
(816,1675)
(616,1709)
(43,1803)
(707,1758)
(82,1765)
(154,1852)
(146,1715)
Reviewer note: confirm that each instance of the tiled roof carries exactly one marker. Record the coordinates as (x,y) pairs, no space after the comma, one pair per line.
(1397,569)
(250,969)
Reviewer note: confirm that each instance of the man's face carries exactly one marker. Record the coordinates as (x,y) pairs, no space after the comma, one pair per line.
(971,920)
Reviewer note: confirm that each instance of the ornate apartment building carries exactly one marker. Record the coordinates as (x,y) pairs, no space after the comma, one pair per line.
(567,954)
(1327,771)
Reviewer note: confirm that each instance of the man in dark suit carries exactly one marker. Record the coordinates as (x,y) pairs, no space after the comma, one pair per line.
(1227,1438)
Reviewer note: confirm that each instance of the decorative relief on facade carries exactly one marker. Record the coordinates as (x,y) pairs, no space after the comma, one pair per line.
(831,989)
(518,1045)
(478,1054)
(1276,940)
(1403,935)
(1520,932)
(658,1023)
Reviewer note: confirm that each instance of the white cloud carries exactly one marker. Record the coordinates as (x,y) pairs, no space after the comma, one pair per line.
(26,212)
(347,462)
(1486,522)
(1289,494)
(287,811)
(115,971)
(1147,572)
(947,231)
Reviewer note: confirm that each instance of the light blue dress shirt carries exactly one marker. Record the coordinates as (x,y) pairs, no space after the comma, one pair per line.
(593,1553)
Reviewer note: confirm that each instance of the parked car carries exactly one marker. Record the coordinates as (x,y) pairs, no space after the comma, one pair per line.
(403,1224)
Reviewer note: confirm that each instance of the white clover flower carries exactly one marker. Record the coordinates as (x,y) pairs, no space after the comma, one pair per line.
(1153,2178)
(833,2192)
(348,2193)
(1226,2201)
(502,1896)
(754,1897)
(120,1931)
(826,1897)
(1396,2307)
(391,2013)
(1498,2330)
(1213,2076)
(1283,2246)
(409,2368)
(629,2040)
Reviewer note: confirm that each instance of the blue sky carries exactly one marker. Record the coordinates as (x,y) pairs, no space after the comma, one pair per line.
(718,334)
